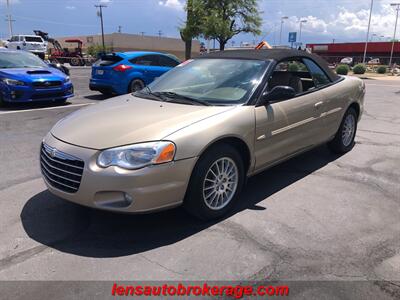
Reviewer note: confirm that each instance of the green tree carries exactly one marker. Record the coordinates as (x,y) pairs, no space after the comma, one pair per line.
(192,27)
(226,18)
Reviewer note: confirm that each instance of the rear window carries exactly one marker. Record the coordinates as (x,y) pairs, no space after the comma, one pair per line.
(108,60)
(35,39)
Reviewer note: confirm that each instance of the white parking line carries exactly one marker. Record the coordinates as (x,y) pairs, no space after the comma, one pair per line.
(44,108)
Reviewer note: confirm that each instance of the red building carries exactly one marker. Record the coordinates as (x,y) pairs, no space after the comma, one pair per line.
(334,52)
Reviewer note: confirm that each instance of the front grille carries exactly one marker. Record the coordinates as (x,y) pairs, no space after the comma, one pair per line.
(47,95)
(61,170)
(47,84)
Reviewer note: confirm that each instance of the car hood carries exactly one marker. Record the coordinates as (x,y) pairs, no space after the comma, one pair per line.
(33,74)
(127,120)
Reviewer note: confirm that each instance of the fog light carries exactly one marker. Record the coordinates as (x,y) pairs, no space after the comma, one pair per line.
(128,198)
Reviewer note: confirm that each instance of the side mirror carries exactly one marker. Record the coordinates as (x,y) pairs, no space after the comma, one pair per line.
(278,93)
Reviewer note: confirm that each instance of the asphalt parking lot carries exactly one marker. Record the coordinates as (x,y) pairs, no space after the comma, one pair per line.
(315,217)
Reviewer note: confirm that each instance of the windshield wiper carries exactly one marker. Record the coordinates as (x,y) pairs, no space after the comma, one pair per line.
(174,96)
(148,92)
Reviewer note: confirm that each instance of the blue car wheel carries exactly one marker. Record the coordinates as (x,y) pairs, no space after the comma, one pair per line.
(136,85)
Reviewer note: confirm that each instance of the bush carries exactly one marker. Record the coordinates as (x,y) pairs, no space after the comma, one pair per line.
(95,50)
(381,70)
(293,67)
(342,70)
(359,69)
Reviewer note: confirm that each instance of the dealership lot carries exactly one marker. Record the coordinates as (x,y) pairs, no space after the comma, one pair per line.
(315,217)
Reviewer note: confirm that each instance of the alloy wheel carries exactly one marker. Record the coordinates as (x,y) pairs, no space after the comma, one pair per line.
(220,183)
(348,130)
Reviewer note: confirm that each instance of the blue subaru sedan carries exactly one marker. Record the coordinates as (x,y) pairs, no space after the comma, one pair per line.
(126,72)
(26,78)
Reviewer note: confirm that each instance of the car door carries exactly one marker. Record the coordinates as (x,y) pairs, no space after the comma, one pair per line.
(288,127)
(149,66)
(332,99)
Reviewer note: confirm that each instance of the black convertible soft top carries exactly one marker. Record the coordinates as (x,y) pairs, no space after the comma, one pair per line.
(274,54)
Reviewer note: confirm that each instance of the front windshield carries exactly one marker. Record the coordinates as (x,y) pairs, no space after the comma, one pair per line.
(212,81)
(19,59)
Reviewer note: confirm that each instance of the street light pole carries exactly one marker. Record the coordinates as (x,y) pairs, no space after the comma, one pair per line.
(280,34)
(100,6)
(301,23)
(397,5)
(369,26)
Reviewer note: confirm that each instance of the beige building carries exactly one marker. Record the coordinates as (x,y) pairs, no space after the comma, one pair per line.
(130,42)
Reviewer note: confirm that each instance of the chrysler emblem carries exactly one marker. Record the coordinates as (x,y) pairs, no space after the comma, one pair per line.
(53,152)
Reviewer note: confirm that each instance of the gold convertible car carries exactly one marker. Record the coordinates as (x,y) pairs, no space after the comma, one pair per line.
(193,136)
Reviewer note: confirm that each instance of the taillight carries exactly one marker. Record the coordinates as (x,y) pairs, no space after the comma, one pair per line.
(122,68)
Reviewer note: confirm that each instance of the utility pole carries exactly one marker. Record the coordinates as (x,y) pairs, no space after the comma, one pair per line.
(397,5)
(100,7)
(369,26)
(280,34)
(9,19)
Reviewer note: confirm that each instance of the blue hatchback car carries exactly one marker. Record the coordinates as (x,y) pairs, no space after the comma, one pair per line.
(26,78)
(125,72)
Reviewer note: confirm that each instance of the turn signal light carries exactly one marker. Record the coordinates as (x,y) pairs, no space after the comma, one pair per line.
(167,154)
(122,68)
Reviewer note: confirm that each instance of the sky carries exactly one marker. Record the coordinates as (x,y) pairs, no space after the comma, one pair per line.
(341,20)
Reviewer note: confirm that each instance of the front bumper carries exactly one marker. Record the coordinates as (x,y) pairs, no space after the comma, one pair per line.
(149,189)
(18,94)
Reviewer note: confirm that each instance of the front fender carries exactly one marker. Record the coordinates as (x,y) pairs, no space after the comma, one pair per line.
(195,139)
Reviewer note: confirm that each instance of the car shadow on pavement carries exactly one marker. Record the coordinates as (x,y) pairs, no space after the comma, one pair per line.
(87,232)
(98,97)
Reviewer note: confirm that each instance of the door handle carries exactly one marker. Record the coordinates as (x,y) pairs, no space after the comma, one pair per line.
(318,104)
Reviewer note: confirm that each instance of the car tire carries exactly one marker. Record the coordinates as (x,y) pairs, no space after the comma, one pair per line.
(75,61)
(136,85)
(344,139)
(216,183)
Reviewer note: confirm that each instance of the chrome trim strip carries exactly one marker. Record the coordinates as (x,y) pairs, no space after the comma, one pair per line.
(294,125)
(69,172)
(332,111)
(60,154)
(52,180)
(57,175)
(63,163)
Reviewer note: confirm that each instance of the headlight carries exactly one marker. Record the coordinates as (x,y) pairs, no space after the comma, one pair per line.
(9,81)
(67,79)
(138,155)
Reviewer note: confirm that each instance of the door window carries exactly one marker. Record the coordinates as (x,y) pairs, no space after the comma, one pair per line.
(317,73)
(293,73)
(147,60)
(166,61)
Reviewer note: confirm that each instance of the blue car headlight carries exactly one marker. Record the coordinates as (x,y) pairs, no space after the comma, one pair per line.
(10,81)
(67,79)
